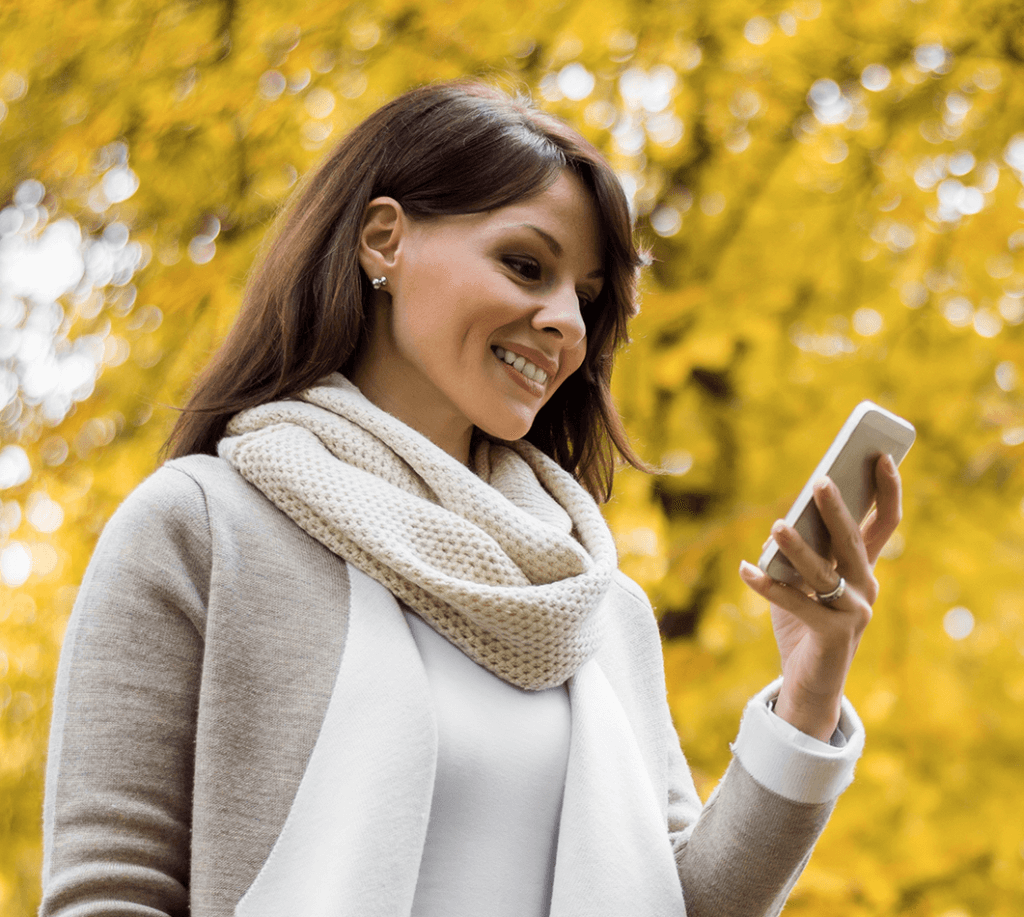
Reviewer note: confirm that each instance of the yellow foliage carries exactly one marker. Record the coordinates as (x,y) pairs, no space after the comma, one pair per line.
(831,194)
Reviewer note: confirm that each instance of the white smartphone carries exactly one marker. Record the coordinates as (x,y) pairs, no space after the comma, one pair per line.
(869,433)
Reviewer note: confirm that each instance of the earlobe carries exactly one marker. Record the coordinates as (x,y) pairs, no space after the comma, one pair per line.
(381,236)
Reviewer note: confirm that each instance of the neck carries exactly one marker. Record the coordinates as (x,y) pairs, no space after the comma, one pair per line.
(451,433)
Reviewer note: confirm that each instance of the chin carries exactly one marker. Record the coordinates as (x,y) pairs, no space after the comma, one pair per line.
(509,429)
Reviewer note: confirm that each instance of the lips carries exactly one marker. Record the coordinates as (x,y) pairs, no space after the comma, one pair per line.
(523,365)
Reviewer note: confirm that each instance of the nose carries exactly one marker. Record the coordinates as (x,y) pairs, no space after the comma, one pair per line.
(560,314)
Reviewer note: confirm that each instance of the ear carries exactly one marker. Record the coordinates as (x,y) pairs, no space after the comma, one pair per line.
(380,238)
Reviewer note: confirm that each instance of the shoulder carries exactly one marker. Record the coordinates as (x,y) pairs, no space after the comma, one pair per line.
(207,475)
(173,507)
(180,495)
(166,527)
(201,509)
(629,612)
(630,592)
(154,552)
(255,548)
(247,533)
(195,528)
(166,495)
(166,509)
(631,645)
(201,498)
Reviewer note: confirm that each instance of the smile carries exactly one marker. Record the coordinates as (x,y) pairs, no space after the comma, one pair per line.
(522,364)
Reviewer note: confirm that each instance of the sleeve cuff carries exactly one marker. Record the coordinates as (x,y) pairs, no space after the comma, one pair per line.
(790,763)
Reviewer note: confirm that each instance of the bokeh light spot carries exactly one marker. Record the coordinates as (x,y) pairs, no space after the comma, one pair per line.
(932,58)
(867,321)
(44,514)
(319,103)
(13,86)
(15,564)
(272,84)
(120,184)
(666,221)
(758,30)
(875,77)
(1011,309)
(575,81)
(987,323)
(364,35)
(1006,376)
(829,104)
(958,622)
(958,311)
(15,468)
(961,163)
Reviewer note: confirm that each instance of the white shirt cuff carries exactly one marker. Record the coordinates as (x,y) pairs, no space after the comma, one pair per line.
(791,763)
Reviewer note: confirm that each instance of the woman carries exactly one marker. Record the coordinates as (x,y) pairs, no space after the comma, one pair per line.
(361,647)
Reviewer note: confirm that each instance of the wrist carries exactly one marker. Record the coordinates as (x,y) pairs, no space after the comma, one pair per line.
(815,716)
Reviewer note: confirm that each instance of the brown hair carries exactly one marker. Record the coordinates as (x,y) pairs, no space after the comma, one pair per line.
(441,149)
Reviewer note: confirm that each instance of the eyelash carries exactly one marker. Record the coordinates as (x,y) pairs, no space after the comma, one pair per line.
(521,264)
(518,262)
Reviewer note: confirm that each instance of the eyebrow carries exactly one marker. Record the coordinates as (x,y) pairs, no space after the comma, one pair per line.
(555,246)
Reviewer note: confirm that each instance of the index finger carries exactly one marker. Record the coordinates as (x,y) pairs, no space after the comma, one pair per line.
(888,511)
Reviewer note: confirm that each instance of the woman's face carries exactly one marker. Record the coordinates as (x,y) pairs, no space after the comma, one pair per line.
(484,317)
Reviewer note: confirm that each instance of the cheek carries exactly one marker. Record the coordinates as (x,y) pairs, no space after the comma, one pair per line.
(417,328)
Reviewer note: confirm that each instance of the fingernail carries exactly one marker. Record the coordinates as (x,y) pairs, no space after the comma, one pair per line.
(890,464)
(821,486)
(779,530)
(749,573)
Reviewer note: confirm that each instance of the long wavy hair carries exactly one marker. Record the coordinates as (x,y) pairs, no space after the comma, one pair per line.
(441,149)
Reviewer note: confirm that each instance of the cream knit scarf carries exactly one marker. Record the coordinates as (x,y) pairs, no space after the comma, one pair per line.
(508,561)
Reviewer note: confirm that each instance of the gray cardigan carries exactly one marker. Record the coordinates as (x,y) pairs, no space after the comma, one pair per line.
(196,672)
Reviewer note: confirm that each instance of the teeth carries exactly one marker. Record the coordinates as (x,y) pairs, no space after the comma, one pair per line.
(522,364)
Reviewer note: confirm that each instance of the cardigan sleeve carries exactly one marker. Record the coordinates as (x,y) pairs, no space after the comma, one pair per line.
(117,811)
(745,850)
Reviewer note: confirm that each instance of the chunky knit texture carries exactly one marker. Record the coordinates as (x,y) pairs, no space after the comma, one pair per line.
(508,560)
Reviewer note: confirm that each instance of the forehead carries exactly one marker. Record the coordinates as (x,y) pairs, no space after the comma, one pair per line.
(564,212)
(563,217)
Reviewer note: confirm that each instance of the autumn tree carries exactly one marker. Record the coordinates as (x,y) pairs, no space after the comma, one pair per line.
(832,196)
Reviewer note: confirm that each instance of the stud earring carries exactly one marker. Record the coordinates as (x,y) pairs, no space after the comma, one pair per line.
(379,283)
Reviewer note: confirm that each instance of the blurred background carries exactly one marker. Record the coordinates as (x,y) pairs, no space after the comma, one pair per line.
(833,196)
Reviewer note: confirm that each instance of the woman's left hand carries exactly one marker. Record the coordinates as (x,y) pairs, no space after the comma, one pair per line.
(817,642)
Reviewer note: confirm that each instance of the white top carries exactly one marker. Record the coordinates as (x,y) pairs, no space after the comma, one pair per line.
(501,765)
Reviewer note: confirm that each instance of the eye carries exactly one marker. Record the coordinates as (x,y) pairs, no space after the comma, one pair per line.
(525,267)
